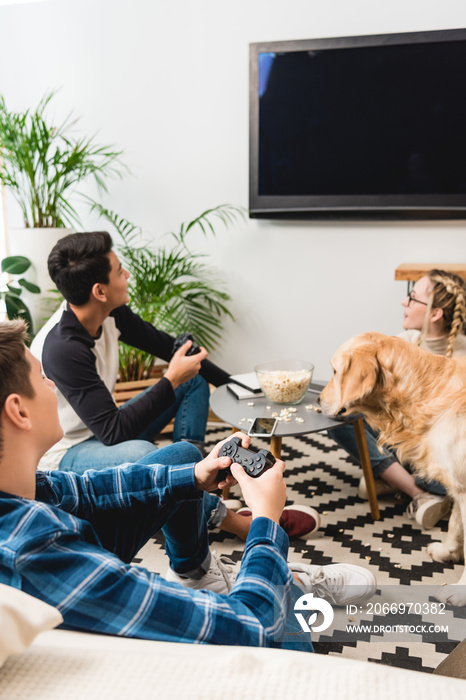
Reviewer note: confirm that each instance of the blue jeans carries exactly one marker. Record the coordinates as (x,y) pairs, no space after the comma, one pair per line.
(190,410)
(185,526)
(345,437)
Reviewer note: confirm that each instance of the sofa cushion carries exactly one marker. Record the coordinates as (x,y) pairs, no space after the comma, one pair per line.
(22,617)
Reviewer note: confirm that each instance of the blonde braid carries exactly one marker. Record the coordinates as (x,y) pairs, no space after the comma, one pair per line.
(458,322)
(449,294)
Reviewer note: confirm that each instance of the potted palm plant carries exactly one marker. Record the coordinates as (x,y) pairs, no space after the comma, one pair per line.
(172,286)
(43,163)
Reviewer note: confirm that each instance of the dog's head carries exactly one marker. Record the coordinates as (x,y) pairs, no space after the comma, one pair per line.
(360,366)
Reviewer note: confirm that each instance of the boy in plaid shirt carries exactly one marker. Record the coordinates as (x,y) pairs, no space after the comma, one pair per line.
(69,539)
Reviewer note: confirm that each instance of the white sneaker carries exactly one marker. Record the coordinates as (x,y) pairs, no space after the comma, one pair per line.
(232,503)
(219,578)
(339,584)
(381,488)
(428,509)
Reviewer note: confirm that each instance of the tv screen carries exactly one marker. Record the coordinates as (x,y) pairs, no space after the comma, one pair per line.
(359,127)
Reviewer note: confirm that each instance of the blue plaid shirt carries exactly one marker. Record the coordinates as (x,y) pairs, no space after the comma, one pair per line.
(71,547)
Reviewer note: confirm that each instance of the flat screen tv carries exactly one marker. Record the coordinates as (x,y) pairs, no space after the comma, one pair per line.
(359,127)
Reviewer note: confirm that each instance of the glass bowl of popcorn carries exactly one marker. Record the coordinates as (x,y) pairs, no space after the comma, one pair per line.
(284,381)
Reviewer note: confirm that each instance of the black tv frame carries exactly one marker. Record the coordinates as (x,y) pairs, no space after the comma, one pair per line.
(349,207)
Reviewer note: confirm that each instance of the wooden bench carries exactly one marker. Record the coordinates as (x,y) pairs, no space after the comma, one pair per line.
(124,391)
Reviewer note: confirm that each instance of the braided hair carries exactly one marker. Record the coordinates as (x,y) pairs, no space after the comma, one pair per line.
(449,294)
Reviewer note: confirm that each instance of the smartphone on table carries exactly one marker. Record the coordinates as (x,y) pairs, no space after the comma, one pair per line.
(263,427)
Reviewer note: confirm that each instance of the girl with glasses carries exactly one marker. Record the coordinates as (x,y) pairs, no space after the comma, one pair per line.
(434,319)
(435,314)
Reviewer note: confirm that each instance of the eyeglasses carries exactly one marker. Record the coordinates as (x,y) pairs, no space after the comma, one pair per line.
(411,298)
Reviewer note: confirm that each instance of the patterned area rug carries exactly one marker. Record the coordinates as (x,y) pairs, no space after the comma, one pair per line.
(320,474)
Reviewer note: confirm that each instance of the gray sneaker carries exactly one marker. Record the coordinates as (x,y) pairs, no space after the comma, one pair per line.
(340,584)
(219,578)
(427,509)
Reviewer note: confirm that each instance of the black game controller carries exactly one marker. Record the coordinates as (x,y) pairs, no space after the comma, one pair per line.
(254,463)
(181,340)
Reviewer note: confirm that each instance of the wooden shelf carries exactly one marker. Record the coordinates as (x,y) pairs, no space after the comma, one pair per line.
(410,272)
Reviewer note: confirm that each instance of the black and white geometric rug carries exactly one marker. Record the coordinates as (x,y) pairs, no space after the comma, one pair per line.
(408,628)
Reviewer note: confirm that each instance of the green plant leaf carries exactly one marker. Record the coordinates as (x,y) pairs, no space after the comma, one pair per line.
(30,286)
(14,290)
(45,161)
(16,308)
(227,213)
(171,286)
(15,264)
(134,364)
(177,292)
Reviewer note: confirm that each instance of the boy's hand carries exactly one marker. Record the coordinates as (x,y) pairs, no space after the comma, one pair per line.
(266,495)
(184,367)
(206,472)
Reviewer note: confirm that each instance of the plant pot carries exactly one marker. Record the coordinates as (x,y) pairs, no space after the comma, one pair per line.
(36,244)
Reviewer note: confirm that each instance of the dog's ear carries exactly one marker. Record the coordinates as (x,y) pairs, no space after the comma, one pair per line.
(387,355)
(359,377)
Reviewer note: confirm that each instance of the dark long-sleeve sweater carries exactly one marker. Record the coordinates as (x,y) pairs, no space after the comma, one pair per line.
(85,370)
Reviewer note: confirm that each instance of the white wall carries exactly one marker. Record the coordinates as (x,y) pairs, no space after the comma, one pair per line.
(168,81)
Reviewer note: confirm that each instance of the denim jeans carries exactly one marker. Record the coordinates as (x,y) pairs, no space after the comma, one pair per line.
(345,437)
(184,526)
(190,411)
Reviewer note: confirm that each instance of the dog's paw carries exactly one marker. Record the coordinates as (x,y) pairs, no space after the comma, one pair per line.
(453,594)
(439,552)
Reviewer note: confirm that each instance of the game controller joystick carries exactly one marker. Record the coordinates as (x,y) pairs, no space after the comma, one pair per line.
(253,462)
(181,340)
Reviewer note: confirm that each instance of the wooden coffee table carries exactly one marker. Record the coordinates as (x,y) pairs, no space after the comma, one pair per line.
(239,412)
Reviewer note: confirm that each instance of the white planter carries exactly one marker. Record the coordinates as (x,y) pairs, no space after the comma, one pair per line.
(36,244)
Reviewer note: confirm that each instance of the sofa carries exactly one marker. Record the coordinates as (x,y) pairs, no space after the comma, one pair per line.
(39,662)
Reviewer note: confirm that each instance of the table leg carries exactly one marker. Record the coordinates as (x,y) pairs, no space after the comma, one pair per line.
(364,458)
(276,446)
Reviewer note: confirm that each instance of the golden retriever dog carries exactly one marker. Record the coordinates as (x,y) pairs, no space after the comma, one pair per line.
(417,403)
